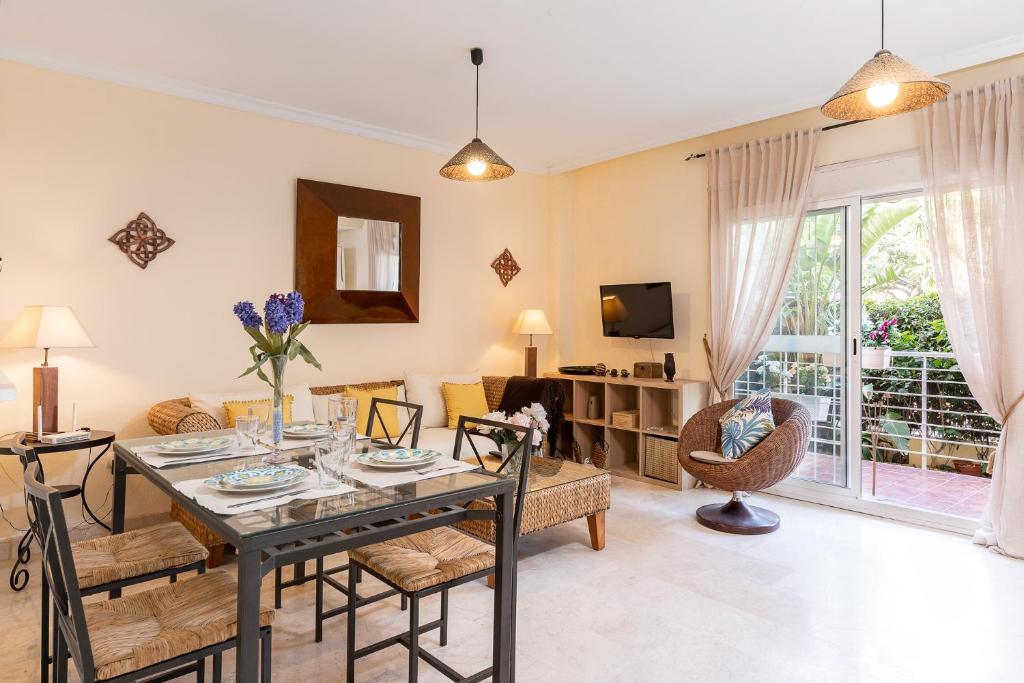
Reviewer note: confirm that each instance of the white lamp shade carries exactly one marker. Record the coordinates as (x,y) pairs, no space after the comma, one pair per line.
(532,321)
(46,327)
(8,392)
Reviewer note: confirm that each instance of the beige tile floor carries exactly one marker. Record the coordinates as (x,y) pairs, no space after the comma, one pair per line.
(832,596)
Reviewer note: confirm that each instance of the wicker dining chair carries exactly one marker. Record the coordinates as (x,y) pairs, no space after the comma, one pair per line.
(409,438)
(109,563)
(765,465)
(156,634)
(435,561)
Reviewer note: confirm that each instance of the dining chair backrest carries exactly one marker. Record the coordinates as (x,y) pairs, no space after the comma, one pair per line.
(59,567)
(515,461)
(395,441)
(27,456)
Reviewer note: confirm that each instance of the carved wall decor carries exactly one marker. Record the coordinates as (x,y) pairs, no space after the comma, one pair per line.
(141,240)
(506,267)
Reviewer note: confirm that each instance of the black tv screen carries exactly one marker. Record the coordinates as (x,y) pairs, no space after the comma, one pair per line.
(638,310)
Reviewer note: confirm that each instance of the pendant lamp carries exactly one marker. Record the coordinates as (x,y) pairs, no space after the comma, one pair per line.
(476,161)
(884,86)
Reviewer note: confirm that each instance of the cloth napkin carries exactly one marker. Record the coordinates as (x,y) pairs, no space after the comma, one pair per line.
(381,478)
(156,460)
(218,502)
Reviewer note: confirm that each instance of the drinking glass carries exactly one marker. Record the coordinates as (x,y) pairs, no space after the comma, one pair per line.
(344,439)
(342,410)
(247,429)
(327,468)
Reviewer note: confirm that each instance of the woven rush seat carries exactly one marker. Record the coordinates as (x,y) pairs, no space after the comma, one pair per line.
(134,553)
(559,491)
(142,629)
(426,559)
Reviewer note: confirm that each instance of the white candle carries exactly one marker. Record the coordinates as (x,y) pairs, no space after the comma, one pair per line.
(74,417)
(39,421)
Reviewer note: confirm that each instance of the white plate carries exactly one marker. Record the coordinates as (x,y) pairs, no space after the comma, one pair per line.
(195,446)
(306,431)
(405,455)
(367,459)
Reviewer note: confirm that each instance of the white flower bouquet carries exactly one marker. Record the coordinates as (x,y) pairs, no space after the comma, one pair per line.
(532,415)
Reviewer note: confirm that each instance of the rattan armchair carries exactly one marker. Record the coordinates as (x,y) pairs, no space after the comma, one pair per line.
(763,466)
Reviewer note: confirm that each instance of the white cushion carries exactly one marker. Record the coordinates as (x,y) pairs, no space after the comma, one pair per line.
(302,404)
(425,389)
(710,457)
(320,409)
(443,439)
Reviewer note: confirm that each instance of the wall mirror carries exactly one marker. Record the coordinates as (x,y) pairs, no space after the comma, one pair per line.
(357,253)
(369,254)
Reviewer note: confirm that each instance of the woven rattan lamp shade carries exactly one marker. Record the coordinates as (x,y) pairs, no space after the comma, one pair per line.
(917,90)
(476,153)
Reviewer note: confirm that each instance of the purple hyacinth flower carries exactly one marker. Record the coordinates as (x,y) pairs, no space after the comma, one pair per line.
(293,306)
(246,313)
(277,317)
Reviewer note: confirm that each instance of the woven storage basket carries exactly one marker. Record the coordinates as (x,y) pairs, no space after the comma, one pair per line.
(599,454)
(660,459)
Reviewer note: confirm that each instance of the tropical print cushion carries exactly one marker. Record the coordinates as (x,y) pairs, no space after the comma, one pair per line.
(759,400)
(743,430)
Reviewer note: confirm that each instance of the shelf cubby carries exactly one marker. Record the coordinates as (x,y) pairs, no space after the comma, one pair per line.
(661,404)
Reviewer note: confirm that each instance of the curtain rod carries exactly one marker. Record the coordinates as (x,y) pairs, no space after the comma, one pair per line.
(832,127)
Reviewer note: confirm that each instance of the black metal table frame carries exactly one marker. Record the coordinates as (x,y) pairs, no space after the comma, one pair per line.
(19,577)
(261,552)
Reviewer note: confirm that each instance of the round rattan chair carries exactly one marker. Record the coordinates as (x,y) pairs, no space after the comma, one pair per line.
(765,465)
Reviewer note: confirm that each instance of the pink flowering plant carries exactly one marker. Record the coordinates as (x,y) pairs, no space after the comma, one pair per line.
(532,415)
(879,335)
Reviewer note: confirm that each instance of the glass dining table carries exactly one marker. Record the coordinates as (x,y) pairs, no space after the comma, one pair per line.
(304,529)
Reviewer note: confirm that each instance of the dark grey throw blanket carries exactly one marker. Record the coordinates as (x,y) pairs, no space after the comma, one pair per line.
(522,391)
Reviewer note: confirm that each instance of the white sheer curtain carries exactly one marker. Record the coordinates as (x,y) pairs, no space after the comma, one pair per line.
(759,194)
(971,163)
(382,237)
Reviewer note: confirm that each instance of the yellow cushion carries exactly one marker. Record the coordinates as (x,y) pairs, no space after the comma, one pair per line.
(464,399)
(235,408)
(388,413)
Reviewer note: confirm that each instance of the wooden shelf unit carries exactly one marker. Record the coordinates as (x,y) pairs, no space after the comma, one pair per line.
(661,404)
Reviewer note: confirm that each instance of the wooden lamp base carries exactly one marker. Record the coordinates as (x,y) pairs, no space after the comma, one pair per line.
(44,393)
(530,369)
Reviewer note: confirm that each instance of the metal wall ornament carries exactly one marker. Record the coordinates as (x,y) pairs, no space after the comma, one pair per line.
(506,267)
(141,240)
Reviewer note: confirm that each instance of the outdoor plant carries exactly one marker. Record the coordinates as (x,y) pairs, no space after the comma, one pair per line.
(878,335)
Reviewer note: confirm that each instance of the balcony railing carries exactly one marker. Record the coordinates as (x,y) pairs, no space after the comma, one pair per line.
(919,411)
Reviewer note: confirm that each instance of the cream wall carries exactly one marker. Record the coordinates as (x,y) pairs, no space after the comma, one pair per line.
(643,218)
(79,158)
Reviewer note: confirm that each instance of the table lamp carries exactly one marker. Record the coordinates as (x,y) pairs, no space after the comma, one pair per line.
(532,321)
(45,327)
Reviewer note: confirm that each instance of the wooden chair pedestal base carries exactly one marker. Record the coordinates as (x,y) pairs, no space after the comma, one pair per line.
(736,517)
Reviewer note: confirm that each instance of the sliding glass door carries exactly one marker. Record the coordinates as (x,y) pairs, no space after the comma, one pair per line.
(805,359)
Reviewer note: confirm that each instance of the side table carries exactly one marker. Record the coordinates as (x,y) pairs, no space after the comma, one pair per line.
(19,572)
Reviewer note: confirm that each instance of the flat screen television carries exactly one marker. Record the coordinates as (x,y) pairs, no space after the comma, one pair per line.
(638,310)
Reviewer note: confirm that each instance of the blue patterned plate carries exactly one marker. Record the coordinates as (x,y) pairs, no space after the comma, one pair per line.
(258,478)
(405,456)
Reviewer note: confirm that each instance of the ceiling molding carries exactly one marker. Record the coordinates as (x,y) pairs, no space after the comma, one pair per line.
(954,61)
(230,100)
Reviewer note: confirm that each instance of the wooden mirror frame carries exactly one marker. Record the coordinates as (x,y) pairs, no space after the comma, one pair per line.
(318,206)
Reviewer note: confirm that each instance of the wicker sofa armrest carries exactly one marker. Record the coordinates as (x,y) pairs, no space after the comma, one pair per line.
(494,389)
(177,416)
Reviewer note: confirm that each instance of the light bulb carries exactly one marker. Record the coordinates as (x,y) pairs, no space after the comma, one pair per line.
(883,94)
(476,167)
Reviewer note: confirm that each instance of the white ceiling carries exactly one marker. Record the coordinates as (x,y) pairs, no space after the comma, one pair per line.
(564,82)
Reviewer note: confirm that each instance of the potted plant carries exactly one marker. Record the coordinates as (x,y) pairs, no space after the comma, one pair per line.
(533,415)
(876,353)
(810,384)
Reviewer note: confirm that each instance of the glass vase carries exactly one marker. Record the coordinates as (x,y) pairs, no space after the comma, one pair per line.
(277,364)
